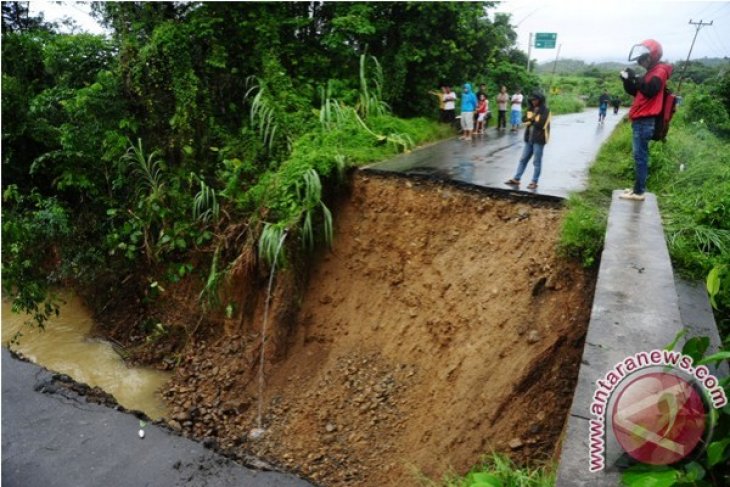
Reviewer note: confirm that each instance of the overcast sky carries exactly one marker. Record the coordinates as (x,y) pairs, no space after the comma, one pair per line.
(605,31)
(587,30)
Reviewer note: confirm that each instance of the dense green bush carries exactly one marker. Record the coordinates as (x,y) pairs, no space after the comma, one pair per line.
(704,109)
(191,119)
(34,231)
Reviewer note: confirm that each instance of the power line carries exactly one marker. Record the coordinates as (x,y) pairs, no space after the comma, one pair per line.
(527,16)
(706,8)
(724,52)
(722,6)
(724,15)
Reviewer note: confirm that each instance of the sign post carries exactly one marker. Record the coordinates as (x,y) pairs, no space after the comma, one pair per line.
(545,40)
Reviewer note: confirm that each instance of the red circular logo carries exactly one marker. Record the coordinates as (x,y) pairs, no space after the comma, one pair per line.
(659,418)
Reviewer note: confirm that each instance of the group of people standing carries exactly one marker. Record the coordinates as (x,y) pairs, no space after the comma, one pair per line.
(647,105)
(475,115)
(475,112)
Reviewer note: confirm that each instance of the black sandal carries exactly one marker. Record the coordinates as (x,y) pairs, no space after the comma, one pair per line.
(513,182)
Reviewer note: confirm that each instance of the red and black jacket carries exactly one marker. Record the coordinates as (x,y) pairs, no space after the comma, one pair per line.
(645,90)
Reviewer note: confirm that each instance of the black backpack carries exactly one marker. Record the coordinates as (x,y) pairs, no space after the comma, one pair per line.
(669,106)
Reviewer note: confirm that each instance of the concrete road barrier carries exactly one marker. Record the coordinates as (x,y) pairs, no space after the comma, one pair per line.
(636,309)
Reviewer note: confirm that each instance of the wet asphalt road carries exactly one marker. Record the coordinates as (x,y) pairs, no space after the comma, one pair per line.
(492,158)
(60,440)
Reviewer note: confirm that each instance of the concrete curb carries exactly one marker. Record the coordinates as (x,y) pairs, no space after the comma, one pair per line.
(636,308)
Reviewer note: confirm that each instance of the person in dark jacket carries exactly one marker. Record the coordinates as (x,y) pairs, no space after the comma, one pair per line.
(537,134)
(647,92)
(616,103)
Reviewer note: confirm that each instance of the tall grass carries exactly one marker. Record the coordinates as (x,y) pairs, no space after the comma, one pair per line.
(371,99)
(269,249)
(264,113)
(205,204)
(693,186)
(335,115)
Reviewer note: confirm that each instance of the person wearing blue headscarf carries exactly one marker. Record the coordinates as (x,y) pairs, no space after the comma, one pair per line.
(468,106)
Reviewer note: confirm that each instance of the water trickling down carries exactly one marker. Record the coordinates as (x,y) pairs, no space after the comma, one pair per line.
(258,431)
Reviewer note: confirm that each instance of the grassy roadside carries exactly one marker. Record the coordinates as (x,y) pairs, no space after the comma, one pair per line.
(690,174)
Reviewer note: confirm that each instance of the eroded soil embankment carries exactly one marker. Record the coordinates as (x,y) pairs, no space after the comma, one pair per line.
(442,325)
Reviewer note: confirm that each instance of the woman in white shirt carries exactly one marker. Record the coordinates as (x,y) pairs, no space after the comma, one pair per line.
(449,98)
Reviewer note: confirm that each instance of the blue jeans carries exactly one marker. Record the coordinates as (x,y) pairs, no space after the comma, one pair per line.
(530,149)
(643,129)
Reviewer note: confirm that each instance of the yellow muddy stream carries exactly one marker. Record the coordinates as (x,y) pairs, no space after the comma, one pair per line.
(66,347)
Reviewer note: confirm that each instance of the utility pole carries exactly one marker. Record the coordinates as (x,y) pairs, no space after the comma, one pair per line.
(699,25)
(555,65)
(529,52)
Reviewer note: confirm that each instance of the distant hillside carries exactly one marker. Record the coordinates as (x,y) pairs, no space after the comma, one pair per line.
(576,66)
(713,61)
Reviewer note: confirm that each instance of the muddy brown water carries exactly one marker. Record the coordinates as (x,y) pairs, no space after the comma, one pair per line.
(66,346)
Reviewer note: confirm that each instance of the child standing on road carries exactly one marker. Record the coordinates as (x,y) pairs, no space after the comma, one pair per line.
(482,109)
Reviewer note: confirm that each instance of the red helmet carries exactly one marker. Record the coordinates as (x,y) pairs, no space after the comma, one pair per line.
(650,49)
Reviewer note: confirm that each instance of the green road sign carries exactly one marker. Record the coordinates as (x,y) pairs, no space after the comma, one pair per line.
(545,40)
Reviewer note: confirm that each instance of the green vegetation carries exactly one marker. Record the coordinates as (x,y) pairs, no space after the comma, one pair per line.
(565,103)
(575,81)
(195,134)
(499,471)
(698,70)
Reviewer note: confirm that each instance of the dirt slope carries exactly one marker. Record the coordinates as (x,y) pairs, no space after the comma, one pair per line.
(442,325)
